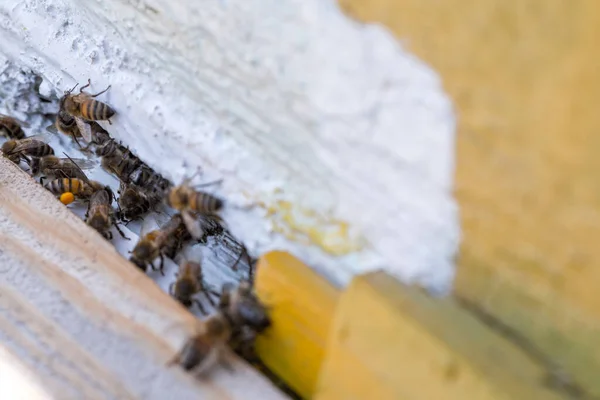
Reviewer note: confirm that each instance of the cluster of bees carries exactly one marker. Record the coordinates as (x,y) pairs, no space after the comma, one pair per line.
(239,316)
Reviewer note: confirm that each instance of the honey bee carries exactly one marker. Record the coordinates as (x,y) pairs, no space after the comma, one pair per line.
(248,314)
(83,107)
(100,214)
(189,283)
(193,204)
(165,241)
(63,167)
(203,351)
(133,202)
(99,136)
(11,127)
(121,164)
(211,225)
(239,311)
(175,242)
(17,149)
(110,148)
(82,188)
(65,124)
(151,181)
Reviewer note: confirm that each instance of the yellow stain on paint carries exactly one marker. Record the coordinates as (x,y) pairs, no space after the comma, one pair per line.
(305,225)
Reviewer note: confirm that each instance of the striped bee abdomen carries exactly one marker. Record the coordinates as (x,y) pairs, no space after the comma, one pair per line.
(11,129)
(94,110)
(41,151)
(64,185)
(205,203)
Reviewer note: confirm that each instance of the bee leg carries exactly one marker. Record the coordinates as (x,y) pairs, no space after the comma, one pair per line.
(200,306)
(110,123)
(76,141)
(251,265)
(174,360)
(83,87)
(108,235)
(207,294)
(203,239)
(152,266)
(120,231)
(242,253)
(42,180)
(171,288)
(162,264)
(86,148)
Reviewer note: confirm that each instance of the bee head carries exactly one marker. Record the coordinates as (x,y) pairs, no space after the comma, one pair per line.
(8,146)
(63,118)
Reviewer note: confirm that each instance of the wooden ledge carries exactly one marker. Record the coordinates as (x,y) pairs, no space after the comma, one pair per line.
(84,321)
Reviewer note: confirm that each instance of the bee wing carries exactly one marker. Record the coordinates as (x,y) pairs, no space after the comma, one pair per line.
(163,219)
(26,144)
(212,220)
(83,163)
(22,123)
(192,224)
(61,173)
(52,128)
(84,129)
(78,167)
(42,137)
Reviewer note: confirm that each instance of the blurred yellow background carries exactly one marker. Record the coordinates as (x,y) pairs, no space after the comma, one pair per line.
(523,76)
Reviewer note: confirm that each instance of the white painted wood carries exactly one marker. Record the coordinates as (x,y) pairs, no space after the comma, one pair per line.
(333,142)
(83,322)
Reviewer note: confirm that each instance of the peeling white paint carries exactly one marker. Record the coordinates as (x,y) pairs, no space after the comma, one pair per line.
(289,101)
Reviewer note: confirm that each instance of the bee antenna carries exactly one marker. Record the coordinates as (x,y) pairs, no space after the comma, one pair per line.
(70,91)
(189,179)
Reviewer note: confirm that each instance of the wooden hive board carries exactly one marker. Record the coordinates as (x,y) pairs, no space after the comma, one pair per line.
(79,321)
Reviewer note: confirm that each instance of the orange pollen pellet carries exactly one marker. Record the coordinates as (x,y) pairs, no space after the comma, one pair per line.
(67,198)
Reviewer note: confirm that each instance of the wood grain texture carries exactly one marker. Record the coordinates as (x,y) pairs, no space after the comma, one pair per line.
(391,341)
(85,322)
(523,75)
(302,304)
